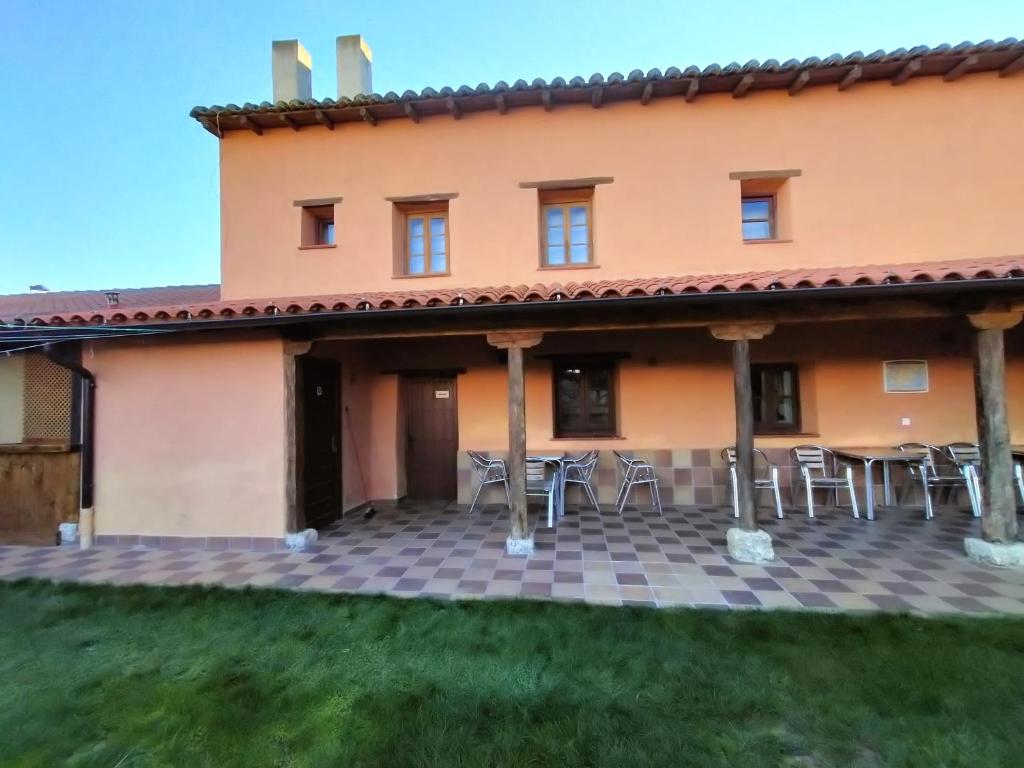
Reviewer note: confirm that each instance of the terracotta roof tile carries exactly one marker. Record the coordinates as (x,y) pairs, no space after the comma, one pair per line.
(185,303)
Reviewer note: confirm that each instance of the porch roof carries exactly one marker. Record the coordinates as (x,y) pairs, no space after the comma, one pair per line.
(190,304)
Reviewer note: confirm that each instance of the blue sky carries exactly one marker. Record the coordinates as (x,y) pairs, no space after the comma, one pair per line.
(106,182)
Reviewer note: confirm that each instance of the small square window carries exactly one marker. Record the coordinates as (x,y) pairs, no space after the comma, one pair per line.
(758,215)
(905,375)
(317,226)
(566,227)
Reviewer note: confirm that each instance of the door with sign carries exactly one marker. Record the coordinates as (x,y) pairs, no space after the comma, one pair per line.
(431,436)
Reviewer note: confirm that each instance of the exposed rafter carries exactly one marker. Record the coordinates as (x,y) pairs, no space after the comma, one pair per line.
(692,86)
(856,73)
(453,108)
(501,104)
(743,86)
(252,125)
(367,115)
(647,93)
(411,112)
(597,96)
(1014,66)
(545,99)
(211,126)
(799,82)
(289,122)
(323,119)
(961,69)
(908,70)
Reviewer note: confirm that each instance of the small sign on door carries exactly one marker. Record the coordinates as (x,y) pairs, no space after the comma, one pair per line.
(440,394)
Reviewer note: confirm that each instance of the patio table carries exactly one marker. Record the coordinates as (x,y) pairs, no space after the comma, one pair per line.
(886,457)
(558,463)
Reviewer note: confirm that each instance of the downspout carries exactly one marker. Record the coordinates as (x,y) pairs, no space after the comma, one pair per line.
(87,383)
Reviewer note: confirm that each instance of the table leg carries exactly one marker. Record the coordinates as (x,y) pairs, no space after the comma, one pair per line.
(869,489)
(887,483)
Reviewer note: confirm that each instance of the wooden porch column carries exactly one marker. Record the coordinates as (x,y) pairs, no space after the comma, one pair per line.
(519,542)
(740,335)
(998,506)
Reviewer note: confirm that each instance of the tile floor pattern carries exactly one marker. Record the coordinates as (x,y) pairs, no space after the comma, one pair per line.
(899,562)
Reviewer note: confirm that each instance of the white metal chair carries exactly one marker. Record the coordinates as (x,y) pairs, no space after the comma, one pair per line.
(578,472)
(1018,472)
(488,472)
(636,472)
(769,481)
(539,483)
(967,459)
(940,473)
(820,468)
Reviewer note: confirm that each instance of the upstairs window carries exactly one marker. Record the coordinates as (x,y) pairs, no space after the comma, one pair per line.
(758,214)
(776,394)
(317,230)
(566,227)
(426,240)
(584,398)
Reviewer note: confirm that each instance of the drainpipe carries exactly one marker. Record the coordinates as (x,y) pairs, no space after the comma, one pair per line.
(87,382)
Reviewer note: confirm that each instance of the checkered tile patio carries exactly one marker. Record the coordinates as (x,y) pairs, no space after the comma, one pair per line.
(899,562)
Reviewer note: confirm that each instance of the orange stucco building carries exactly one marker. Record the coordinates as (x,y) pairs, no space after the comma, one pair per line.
(859,211)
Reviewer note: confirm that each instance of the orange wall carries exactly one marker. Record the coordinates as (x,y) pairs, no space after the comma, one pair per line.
(890,174)
(190,438)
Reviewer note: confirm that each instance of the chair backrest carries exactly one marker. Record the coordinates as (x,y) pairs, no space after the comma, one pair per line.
(729,455)
(480,462)
(814,458)
(933,456)
(964,453)
(584,465)
(624,461)
(536,473)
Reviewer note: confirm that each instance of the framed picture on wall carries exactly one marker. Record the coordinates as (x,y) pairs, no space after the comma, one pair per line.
(905,375)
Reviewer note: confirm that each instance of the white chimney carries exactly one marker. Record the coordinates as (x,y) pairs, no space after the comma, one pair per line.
(293,71)
(355,62)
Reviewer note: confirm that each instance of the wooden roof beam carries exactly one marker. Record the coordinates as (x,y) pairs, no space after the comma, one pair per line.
(597,96)
(960,69)
(289,122)
(211,126)
(545,99)
(1014,66)
(248,122)
(799,82)
(856,73)
(501,103)
(323,119)
(908,70)
(692,86)
(743,86)
(453,108)
(368,116)
(411,113)
(647,93)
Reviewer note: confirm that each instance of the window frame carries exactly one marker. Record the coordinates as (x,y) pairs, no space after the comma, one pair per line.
(772,224)
(585,363)
(314,217)
(774,427)
(321,238)
(565,200)
(425,211)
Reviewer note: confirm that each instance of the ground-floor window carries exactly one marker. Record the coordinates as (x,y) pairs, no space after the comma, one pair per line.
(776,398)
(584,398)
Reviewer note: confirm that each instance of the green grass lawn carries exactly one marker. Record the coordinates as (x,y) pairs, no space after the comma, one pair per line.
(115,676)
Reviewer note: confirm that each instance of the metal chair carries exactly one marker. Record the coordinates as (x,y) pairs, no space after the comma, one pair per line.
(967,459)
(1018,472)
(578,472)
(538,483)
(940,473)
(769,481)
(488,472)
(636,472)
(819,468)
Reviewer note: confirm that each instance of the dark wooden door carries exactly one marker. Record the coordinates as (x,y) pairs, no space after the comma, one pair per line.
(319,385)
(432,436)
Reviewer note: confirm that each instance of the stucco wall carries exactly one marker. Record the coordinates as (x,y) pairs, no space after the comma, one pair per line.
(889,175)
(190,438)
(12,394)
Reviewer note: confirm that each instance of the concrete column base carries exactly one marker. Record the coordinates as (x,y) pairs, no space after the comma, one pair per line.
(750,546)
(68,533)
(519,546)
(300,540)
(992,553)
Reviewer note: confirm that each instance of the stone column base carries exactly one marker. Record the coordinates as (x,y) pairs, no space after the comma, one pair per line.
(750,546)
(68,533)
(992,553)
(519,546)
(300,540)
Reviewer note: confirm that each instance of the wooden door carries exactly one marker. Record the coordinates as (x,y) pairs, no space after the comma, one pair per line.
(319,385)
(432,436)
